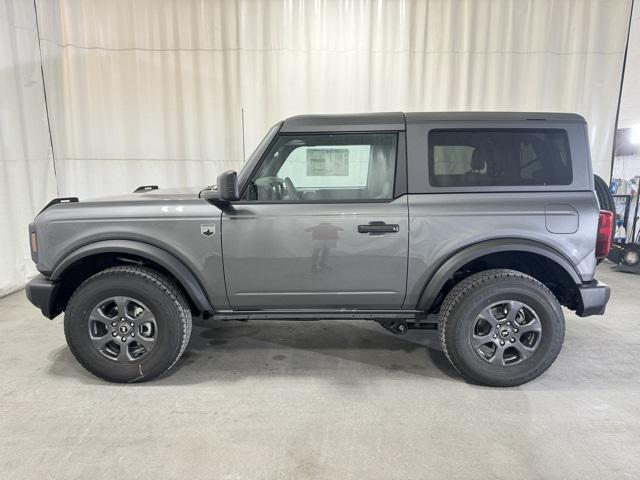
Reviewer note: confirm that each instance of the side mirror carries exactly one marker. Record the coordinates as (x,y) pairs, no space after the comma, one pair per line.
(225,191)
(228,186)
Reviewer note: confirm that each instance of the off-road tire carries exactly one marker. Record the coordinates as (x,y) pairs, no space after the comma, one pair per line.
(163,298)
(458,315)
(605,198)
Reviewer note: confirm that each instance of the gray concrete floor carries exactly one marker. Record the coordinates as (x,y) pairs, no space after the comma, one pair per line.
(334,400)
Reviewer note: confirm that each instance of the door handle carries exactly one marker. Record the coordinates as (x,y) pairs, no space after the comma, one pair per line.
(379,228)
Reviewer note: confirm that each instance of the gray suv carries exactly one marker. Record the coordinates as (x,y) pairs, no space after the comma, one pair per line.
(479,225)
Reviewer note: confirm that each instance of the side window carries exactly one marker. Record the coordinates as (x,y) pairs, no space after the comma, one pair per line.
(333,167)
(499,157)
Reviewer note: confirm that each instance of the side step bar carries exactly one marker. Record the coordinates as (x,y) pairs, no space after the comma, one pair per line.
(318,315)
(397,322)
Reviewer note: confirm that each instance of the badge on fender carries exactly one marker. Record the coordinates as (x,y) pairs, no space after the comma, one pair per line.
(208,229)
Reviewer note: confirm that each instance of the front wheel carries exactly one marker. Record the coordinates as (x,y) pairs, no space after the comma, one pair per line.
(127,324)
(501,328)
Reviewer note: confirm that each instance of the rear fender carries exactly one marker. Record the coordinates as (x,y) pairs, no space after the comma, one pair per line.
(445,272)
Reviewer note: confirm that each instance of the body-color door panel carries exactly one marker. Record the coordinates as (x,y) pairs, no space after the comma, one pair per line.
(295,255)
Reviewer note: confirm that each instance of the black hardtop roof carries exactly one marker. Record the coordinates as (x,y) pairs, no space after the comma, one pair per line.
(392,121)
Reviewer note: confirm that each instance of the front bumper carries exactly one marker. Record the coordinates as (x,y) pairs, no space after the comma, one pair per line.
(592,298)
(42,293)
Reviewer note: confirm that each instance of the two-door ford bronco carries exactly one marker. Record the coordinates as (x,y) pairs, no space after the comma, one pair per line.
(479,225)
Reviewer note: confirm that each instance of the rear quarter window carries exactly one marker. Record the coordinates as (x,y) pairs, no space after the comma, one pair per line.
(499,157)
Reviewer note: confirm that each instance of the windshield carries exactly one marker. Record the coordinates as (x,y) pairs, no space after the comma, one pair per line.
(257,153)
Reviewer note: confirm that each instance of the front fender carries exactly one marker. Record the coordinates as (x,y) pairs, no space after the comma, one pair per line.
(152,253)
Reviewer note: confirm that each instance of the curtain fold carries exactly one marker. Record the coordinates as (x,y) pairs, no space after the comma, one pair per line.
(173,92)
(27,178)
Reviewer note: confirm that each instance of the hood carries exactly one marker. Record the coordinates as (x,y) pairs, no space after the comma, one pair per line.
(159,194)
(147,197)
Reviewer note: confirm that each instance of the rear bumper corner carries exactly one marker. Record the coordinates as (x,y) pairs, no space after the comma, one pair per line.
(592,298)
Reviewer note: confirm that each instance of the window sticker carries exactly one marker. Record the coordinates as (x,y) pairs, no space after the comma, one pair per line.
(327,162)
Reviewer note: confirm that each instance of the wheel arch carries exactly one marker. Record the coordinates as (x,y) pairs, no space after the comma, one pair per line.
(533,258)
(107,253)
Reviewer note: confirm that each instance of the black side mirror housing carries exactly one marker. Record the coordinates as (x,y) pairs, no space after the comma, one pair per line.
(228,186)
(226,191)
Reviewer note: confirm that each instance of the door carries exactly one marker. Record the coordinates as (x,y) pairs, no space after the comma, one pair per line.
(318,227)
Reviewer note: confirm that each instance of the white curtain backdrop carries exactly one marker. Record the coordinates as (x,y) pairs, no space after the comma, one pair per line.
(27,179)
(174,92)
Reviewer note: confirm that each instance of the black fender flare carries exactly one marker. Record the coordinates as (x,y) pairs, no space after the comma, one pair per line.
(443,273)
(150,252)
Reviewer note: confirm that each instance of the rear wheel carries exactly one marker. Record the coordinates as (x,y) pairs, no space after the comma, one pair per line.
(127,324)
(501,328)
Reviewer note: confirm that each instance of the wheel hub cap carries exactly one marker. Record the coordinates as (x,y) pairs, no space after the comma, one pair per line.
(122,329)
(631,257)
(506,333)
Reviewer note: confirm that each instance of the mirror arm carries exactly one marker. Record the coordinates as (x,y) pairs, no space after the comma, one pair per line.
(213,196)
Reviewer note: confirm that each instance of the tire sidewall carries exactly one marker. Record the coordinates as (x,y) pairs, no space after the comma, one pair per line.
(605,197)
(102,287)
(462,321)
